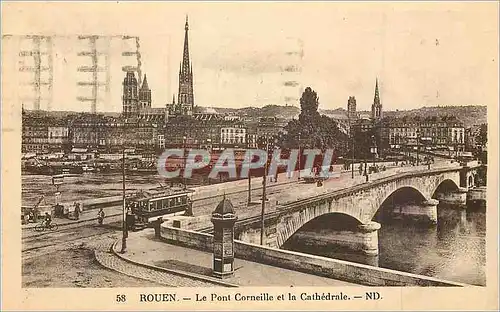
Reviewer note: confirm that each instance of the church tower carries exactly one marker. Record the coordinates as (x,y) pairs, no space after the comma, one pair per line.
(351,109)
(130,98)
(185,98)
(376,106)
(144,95)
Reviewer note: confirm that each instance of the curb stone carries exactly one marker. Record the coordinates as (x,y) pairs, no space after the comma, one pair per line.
(171,271)
(108,260)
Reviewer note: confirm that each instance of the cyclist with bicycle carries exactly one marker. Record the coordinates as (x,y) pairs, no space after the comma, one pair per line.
(47,220)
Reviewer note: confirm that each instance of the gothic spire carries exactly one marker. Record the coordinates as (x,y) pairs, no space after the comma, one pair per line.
(376,99)
(185,97)
(145,83)
(185,56)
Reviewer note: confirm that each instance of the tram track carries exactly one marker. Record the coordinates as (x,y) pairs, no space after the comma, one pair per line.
(68,226)
(66,236)
(245,190)
(59,243)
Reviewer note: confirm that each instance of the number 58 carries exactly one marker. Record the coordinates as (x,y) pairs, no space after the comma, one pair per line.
(121,298)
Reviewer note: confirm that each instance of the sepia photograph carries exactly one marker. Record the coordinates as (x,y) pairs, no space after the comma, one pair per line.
(338,151)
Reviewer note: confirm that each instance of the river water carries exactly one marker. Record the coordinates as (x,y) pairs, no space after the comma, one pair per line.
(92,185)
(453,250)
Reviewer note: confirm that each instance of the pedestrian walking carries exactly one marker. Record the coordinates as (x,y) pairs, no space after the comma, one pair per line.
(77,211)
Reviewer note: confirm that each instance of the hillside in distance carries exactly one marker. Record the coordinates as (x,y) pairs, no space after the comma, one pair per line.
(470,115)
(285,112)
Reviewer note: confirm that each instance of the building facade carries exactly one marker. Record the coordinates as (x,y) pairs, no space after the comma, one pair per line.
(42,133)
(269,127)
(234,136)
(111,134)
(445,133)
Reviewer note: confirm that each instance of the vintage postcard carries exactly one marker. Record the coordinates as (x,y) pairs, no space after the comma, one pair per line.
(249,156)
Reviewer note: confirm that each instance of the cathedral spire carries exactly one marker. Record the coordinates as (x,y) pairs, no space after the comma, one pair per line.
(185,56)
(185,97)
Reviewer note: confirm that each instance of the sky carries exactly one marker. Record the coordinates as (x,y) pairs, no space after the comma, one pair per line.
(424,54)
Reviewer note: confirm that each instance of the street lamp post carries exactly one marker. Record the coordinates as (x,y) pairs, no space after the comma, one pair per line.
(418,144)
(366,165)
(373,150)
(366,173)
(300,156)
(184,167)
(352,164)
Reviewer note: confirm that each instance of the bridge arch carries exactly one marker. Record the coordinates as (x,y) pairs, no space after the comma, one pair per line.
(402,195)
(336,230)
(378,197)
(444,186)
(290,224)
(332,220)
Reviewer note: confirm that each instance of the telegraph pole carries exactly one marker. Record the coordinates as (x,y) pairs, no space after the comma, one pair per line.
(124,227)
(264,197)
(249,187)
(249,175)
(263,206)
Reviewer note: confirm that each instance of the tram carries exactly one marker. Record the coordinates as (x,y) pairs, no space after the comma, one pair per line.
(145,205)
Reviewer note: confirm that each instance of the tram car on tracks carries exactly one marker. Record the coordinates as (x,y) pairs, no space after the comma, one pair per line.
(146,206)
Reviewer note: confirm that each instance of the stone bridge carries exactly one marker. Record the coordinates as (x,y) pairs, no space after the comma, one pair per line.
(418,193)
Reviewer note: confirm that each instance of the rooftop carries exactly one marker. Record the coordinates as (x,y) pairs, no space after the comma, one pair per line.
(224,207)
